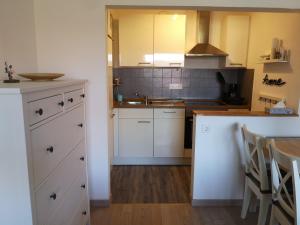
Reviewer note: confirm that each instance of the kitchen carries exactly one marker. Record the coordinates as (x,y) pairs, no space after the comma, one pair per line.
(59,36)
(165,64)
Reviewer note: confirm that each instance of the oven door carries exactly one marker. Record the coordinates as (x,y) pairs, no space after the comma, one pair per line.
(188,137)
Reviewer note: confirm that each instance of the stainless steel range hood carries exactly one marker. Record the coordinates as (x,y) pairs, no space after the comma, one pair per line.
(203,48)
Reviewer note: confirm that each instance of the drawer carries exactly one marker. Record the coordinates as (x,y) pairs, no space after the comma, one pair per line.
(53,141)
(71,203)
(73,98)
(44,108)
(169,113)
(54,191)
(82,216)
(135,113)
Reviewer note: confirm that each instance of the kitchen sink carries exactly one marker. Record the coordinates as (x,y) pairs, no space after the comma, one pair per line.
(135,102)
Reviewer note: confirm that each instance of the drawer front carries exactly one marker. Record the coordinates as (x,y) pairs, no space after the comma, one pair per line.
(53,141)
(44,108)
(73,98)
(169,113)
(135,113)
(71,204)
(82,216)
(53,192)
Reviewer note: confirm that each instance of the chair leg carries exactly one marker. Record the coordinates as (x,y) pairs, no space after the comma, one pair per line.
(263,210)
(273,220)
(246,201)
(253,204)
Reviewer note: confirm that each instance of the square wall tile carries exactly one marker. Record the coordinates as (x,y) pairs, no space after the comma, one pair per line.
(157,72)
(167,73)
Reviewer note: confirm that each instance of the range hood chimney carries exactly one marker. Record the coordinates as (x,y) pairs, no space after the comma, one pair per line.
(203,48)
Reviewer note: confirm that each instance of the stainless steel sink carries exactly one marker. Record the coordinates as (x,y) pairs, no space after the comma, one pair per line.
(134,102)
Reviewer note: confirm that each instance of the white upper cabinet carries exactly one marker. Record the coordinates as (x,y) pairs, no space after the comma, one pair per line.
(136,39)
(236,40)
(169,40)
(149,39)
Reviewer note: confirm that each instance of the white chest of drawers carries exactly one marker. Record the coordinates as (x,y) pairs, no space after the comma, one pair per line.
(43,154)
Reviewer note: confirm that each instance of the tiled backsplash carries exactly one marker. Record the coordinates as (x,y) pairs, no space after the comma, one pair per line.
(155,82)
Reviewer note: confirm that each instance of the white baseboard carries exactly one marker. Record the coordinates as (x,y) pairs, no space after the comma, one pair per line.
(152,161)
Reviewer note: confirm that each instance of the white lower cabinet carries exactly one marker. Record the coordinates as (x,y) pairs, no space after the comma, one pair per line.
(149,133)
(169,132)
(136,137)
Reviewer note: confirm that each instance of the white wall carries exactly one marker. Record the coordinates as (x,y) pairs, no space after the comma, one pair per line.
(17,35)
(70,38)
(218,169)
(265,27)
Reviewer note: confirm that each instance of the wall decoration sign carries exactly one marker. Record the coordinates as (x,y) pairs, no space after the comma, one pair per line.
(273,82)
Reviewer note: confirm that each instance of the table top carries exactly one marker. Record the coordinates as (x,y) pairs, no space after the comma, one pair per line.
(289,146)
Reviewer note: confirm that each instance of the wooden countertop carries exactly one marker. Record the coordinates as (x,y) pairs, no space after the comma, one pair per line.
(238,113)
(165,105)
(289,146)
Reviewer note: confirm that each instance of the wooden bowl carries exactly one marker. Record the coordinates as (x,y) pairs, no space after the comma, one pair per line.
(41,76)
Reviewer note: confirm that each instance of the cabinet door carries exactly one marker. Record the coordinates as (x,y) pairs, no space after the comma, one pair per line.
(169,40)
(236,42)
(135,137)
(168,137)
(136,39)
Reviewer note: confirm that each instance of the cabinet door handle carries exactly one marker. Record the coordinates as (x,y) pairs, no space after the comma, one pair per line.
(84,213)
(179,64)
(50,149)
(82,158)
(83,186)
(144,121)
(53,196)
(61,103)
(80,125)
(169,112)
(236,64)
(39,111)
(144,63)
(82,96)
(70,100)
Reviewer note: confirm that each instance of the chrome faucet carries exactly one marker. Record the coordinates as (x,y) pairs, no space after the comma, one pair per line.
(146,100)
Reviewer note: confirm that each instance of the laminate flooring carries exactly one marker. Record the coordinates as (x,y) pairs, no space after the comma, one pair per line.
(151,184)
(169,214)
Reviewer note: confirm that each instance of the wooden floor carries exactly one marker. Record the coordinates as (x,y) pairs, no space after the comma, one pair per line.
(151,184)
(169,214)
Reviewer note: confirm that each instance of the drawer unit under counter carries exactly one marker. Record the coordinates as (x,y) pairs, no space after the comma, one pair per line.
(63,182)
(53,141)
(73,98)
(44,108)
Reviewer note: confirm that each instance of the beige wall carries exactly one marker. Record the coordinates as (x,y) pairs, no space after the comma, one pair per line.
(70,37)
(264,27)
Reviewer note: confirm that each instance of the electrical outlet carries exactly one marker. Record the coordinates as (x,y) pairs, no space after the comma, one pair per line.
(204,129)
(175,86)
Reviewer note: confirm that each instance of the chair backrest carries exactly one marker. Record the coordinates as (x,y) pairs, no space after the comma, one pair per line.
(285,169)
(254,156)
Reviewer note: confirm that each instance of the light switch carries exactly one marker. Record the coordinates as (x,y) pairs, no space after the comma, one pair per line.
(175,86)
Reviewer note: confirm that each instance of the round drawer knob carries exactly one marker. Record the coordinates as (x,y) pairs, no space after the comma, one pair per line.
(80,125)
(83,186)
(39,111)
(50,149)
(82,158)
(61,103)
(53,196)
(70,100)
(82,96)
(84,213)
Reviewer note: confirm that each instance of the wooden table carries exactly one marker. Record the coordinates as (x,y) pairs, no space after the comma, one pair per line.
(289,146)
